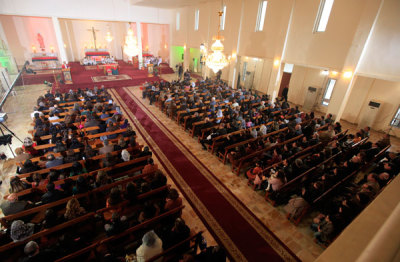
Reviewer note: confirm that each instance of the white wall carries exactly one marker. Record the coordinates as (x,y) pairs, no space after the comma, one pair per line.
(116,10)
(382,58)
(328,49)
(302,78)
(366,89)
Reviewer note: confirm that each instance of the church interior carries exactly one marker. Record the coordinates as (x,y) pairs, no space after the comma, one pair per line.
(200,130)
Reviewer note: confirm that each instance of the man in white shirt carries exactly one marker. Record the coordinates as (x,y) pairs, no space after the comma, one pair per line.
(151,246)
(53,117)
(35,110)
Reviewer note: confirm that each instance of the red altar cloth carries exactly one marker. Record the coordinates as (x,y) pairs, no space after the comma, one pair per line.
(44,58)
(99,53)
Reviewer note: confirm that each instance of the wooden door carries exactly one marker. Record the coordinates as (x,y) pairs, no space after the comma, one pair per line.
(285,82)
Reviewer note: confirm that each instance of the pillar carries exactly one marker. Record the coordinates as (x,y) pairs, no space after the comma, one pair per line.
(60,43)
(186,57)
(274,80)
(139,42)
(277,66)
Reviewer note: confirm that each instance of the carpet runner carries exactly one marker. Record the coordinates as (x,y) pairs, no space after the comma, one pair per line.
(110,78)
(233,226)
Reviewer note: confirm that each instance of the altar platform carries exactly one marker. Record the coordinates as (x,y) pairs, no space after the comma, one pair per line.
(84,78)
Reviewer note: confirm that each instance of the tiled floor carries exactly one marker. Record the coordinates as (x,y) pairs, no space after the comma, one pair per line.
(298,239)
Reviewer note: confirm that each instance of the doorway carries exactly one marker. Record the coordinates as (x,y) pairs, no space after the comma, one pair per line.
(287,73)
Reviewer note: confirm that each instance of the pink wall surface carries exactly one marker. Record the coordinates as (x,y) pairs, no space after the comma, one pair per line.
(22,33)
(155,40)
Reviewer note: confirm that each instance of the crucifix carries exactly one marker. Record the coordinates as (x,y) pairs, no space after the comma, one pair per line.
(94,36)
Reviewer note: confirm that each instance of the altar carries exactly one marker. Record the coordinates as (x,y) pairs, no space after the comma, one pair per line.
(43,61)
(97,54)
(109,69)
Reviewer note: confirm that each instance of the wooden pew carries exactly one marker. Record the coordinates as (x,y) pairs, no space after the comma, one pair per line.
(242,163)
(5,221)
(145,225)
(80,219)
(50,145)
(63,166)
(347,178)
(222,156)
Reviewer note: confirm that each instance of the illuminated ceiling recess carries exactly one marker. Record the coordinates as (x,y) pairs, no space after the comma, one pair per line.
(217,59)
(130,47)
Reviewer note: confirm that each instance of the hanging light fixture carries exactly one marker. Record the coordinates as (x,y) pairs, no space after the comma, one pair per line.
(130,47)
(217,59)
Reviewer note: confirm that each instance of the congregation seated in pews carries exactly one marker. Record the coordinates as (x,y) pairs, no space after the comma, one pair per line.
(299,160)
(86,190)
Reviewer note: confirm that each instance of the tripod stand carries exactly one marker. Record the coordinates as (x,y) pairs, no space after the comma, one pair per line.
(12,133)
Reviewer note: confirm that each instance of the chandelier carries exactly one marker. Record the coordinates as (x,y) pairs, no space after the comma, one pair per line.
(130,47)
(217,59)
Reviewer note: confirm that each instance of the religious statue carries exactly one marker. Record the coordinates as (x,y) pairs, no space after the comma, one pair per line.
(41,42)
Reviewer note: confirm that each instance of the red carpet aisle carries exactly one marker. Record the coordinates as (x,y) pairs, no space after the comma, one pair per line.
(231,223)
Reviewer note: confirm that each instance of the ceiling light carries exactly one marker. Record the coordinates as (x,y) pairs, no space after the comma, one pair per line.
(347,74)
(217,59)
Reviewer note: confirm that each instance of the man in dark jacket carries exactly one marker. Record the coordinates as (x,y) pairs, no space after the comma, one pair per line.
(52,194)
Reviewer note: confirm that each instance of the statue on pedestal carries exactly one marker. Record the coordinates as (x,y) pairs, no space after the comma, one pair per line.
(41,42)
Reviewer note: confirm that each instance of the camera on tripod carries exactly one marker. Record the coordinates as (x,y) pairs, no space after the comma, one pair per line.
(4,139)
(3,117)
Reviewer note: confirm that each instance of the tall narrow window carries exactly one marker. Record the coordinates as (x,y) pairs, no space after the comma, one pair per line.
(223,17)
(323,14)
(262,8)
(178,21)
(396,119)
(328,91)
(196,19)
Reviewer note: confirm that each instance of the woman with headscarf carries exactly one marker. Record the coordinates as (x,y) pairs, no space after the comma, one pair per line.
(125,155)
(29,147)
(20,231)
(151,246)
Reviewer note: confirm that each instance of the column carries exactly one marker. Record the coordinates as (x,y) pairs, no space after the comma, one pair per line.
(60,43)
(277,67)
(275,77)
(186,57)
(139,41)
